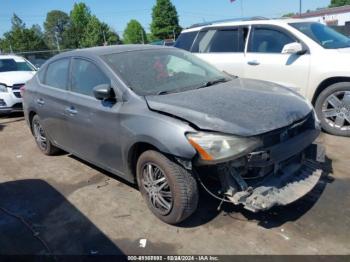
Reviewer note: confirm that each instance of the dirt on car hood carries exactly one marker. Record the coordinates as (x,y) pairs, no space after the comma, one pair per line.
(242,107)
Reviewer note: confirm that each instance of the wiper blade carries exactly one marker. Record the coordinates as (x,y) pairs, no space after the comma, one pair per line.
(213,82)
(163,93)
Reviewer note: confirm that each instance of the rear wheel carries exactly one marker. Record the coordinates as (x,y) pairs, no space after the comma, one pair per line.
(41,139)
(170,190)
(333,109)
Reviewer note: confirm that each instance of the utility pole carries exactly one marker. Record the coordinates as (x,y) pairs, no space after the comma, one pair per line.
(300,7)
(143,38)
(174,35)
(104,38)
(57,43)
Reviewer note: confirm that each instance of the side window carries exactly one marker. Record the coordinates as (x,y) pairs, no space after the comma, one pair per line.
(57,74)
(185,40)
(266,40)
(41,74)
(219,41)
(203,41)
(85,76)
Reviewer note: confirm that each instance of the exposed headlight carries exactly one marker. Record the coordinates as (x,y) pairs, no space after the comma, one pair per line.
(3,88)
(216,147)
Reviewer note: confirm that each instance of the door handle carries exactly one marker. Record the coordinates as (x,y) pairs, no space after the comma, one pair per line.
(71,110)
(40,101)
(254,62)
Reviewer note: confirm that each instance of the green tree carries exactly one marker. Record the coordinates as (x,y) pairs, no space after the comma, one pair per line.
(80,17)
(336,3)
(98,33)
(289,15)
(165,20)
(134,33)
(20,38)
(17,23)
(55,25)
(93,35)
(151,37)
(111,36)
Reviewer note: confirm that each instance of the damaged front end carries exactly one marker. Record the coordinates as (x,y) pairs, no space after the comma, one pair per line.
(283,168)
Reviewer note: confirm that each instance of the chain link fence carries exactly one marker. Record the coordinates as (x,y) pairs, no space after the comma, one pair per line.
(38,58)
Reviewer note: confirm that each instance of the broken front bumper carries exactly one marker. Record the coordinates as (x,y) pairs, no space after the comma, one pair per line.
(294,182)
(292,169)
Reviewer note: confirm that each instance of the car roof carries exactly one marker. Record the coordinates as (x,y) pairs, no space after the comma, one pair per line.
(104,50)
(264,21)
(11,57)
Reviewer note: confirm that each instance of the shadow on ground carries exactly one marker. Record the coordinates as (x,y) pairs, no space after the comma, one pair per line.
(36,219)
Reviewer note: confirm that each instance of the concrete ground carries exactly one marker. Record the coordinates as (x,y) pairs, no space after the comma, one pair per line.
(65,206)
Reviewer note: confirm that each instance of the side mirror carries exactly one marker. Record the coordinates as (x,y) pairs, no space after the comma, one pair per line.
(293,48)
(103,92)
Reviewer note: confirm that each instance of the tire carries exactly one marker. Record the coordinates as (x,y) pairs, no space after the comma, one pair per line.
(45,146)
(181,185)
(338,110)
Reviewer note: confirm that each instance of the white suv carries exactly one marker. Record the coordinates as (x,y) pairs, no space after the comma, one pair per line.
(15,71)
(308,57)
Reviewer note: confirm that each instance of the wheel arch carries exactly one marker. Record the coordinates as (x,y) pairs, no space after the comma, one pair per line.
(134,153)
(326,83)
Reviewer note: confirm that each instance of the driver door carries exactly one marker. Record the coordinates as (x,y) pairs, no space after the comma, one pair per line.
(265,61)
(93,125)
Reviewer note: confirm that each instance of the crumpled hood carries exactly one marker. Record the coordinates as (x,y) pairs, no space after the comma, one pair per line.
(16,77)
(242,107)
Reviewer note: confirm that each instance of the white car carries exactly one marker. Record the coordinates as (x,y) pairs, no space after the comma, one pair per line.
(15,71)
(309,57)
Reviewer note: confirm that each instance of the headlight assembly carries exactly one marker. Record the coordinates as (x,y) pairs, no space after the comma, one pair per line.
(216,147)
(3,88)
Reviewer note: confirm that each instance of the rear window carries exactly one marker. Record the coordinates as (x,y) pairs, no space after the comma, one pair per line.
(57,74)
(185,40)
(219,41)
(8,65)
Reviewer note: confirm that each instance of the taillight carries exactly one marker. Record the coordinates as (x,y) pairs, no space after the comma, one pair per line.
(22,89)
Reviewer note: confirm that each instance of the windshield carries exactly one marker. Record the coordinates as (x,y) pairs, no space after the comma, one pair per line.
(323,35)
(162,71)
(7,65)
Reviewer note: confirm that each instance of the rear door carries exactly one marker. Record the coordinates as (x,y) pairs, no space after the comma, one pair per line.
(93,125)
(265,61)
(50,100)
(223,47)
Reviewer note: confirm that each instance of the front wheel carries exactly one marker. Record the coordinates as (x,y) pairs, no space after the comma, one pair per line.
(333,109)
(170,190)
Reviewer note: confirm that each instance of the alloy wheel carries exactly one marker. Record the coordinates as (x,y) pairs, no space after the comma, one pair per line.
(336,110)
(157,188)
(39,135)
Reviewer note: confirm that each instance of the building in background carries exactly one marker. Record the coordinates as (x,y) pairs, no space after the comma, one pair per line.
(336,17)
